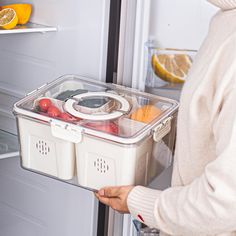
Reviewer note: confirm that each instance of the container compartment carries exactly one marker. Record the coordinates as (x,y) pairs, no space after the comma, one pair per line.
(43,152)
(111,164)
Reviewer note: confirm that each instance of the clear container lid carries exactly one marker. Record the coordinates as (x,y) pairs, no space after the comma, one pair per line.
(108,111)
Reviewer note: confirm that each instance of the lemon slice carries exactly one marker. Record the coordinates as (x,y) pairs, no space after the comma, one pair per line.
(8,18)
(171,68)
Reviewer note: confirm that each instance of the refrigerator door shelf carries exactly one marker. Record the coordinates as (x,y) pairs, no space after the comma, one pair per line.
(29,28)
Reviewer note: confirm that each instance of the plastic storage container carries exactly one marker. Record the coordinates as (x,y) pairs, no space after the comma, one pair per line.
(167,69)
(94,134)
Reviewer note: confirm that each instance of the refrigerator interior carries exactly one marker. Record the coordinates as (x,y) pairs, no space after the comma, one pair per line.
(179,24)
(171,23)
(66,38)
(78,46)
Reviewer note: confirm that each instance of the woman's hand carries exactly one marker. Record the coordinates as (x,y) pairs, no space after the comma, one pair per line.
(115,197)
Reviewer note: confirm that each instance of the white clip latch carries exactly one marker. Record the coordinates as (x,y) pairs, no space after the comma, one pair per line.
(64,131)
(161,130)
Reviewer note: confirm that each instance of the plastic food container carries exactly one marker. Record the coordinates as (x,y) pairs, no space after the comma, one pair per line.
(94,134)
(167,69)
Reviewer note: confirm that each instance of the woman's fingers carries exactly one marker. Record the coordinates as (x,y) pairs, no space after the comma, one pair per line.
(109,192)
(115,197)
(103,200)
(114,203)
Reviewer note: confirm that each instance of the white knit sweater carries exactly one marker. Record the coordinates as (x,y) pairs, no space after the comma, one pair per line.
(202,200)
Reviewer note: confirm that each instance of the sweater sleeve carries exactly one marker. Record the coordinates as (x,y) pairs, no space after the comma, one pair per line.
(208,204)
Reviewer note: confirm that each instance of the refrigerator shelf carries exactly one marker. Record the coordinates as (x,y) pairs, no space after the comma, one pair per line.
(29,28)
(8,145)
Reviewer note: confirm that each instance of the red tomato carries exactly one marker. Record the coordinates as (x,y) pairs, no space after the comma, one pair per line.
(44,104)
(53,111)
(107,127)
(66,117)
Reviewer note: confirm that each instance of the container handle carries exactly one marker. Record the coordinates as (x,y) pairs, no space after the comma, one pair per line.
(162,129)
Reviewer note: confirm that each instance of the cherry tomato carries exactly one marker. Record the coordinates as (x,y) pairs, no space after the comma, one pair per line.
(44,104)
(53,111)
(66,117)
(107,127)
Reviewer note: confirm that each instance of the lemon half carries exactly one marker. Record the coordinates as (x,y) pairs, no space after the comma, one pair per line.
(8,18)
(23,11)
(172,68)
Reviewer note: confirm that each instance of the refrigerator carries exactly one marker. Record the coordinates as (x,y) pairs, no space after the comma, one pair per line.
(100,39)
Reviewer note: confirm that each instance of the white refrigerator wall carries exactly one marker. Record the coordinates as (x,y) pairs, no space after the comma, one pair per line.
(79,46)
(180,23)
